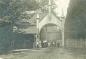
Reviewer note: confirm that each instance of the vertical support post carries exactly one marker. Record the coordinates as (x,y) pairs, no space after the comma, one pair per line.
(38,42)
(37,24)
(63,22)
(37,36)
(63,36)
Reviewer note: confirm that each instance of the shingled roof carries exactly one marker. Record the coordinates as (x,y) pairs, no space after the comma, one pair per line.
(29,30)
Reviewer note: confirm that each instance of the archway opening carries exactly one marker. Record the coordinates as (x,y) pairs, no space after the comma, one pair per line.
(51,34)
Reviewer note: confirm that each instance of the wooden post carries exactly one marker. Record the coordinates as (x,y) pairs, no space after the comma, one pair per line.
(62,37)
(63,22)
(38,43)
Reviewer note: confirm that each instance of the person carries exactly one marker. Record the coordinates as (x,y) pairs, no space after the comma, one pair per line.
(44,44)
(37,44)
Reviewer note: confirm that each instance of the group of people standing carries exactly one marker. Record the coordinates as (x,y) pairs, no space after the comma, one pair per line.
(45,44)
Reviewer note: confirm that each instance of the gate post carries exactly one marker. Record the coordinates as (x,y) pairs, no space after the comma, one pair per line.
(63,22)
(38,42)
(63,38)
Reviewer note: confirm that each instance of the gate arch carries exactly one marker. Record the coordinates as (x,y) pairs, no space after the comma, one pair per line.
(51,33)
(52,23)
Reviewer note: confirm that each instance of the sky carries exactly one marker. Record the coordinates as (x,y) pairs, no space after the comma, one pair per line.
(62,6)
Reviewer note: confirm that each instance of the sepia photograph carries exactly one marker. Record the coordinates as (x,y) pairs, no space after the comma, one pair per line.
(42,29)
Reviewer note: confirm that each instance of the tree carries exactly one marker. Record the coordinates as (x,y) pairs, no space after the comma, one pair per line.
(12,9)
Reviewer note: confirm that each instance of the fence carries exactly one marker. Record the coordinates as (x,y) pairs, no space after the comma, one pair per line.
(75,43)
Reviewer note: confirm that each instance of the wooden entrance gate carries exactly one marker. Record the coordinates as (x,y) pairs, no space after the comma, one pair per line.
(50,35)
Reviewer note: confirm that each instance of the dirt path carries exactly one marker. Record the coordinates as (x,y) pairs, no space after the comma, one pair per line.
(46,53)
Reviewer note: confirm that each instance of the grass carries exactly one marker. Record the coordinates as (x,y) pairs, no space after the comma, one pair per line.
(47,53)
